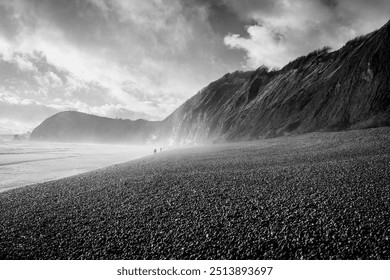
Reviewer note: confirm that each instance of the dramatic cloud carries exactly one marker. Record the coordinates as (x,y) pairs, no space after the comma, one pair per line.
(286,29)
(130,59)
(142,59)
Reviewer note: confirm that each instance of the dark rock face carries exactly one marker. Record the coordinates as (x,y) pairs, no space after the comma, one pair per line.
(347,88)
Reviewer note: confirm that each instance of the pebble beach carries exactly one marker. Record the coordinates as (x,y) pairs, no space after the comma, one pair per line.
(312,196)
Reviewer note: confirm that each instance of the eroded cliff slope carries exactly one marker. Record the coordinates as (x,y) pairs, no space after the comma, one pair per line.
(343,89)
(347,88)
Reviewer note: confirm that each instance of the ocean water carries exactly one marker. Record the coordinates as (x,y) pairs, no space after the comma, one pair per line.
(24,163)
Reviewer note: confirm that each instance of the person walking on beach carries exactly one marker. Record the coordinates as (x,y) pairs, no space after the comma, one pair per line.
(155,151)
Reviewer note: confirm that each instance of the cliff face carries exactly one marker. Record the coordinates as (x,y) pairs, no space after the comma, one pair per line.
(348,88)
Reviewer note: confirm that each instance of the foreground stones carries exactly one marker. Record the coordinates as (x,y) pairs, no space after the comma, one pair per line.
(316,196)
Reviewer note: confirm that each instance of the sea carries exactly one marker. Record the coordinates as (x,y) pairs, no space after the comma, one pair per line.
(25,162)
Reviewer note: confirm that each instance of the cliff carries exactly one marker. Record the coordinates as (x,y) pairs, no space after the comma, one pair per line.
(323,91)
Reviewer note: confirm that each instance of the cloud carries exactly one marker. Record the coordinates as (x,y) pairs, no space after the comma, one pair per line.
(106,110)
(286,29)
(264,46)
(49,79)
(146,56)
(142,59)
(19,115)
(23,63)
(11,126)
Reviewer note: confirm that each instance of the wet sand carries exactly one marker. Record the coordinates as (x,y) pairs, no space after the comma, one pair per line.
(314,196)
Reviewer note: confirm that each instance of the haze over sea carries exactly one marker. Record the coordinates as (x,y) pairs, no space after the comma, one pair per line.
(24,162)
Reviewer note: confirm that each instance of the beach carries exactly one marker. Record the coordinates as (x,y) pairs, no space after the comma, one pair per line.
(313,196)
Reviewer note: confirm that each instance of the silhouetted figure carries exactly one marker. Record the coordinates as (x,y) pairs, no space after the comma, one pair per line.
(155,151)
(160,149)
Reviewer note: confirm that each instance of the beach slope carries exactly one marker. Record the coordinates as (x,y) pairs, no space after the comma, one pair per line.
(313,196)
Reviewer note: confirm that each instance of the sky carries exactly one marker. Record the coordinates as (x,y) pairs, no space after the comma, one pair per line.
(143,58)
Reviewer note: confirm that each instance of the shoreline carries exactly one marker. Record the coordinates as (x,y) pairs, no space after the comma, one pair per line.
(313,196)
(28,165)
(5,189)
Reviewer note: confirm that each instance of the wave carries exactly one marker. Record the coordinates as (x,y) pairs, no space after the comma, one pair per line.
(33,160)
